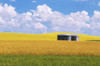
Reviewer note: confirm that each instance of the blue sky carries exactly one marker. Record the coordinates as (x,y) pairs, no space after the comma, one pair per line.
(45,16)
(64,6)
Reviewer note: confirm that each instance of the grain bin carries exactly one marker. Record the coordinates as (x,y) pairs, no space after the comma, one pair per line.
(68,37)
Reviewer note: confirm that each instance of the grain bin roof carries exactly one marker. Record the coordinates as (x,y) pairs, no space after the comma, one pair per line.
(67,35)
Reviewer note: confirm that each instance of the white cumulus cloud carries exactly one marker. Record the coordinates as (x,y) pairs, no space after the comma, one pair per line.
(44,19)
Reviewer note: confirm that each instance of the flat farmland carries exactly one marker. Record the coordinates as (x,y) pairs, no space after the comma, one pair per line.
(49,47)
(17,49)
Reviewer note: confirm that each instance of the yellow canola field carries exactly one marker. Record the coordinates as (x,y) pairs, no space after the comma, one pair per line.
(47,44)
(47,36)
(52,47)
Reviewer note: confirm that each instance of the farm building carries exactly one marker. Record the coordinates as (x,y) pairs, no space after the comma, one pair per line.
(68,37)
